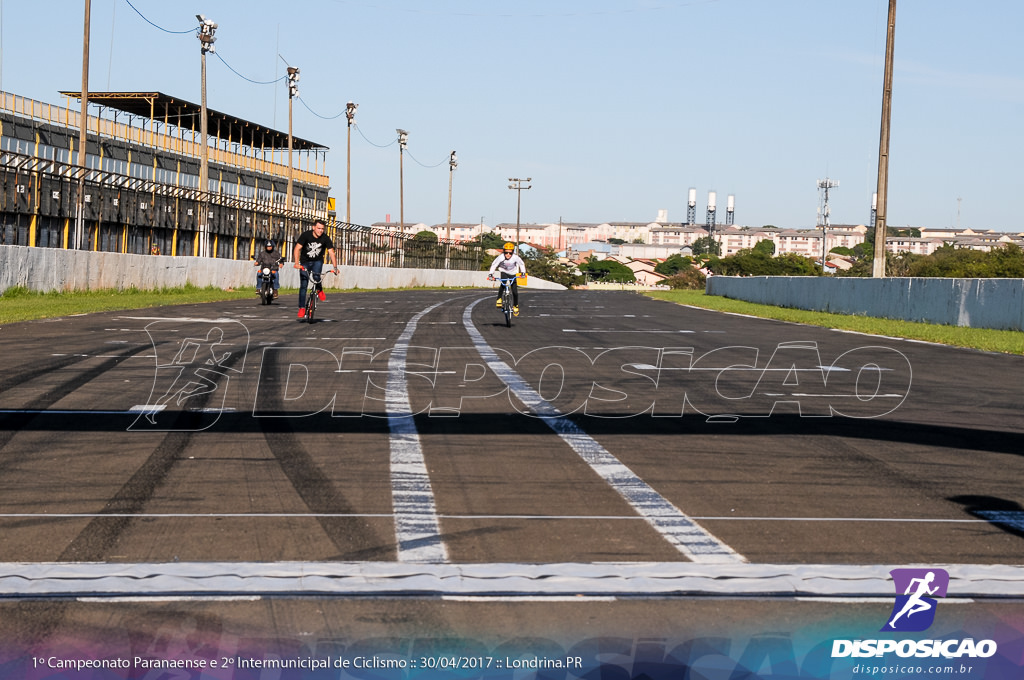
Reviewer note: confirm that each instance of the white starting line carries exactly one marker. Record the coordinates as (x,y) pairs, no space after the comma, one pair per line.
(219,580)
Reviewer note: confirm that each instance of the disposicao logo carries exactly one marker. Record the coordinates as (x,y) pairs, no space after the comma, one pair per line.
(916,590)
(914,611)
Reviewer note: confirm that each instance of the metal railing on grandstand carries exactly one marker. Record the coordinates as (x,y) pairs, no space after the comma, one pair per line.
(361,246)
(39,200)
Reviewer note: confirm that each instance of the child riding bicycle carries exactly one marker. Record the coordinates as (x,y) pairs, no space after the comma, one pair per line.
(509,265)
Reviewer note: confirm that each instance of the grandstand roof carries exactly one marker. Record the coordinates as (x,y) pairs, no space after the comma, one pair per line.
(185,114)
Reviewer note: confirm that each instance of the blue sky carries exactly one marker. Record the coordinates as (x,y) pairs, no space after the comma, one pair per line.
(614,108)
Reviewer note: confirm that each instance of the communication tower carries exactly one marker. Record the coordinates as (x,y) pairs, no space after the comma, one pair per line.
(711,214)
(691,207)
(823,214)
(730,210)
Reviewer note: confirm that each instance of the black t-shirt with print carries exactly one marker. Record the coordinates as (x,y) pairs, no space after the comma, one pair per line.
(313,248)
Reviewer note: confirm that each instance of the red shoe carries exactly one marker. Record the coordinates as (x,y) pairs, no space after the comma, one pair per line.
(302,313)
(321,296)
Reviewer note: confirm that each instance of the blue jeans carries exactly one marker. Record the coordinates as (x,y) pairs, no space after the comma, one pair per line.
(315,266)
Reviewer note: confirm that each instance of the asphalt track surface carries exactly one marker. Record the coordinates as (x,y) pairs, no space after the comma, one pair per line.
(227,457)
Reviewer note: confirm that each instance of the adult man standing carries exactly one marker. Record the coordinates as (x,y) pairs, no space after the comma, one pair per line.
(310,249)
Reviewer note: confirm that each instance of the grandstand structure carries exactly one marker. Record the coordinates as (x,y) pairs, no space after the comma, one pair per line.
(139,189)
(139,185)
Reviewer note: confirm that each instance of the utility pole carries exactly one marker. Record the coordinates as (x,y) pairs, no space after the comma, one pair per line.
(824,185)
(403,137)
(518,188)
(878,264)
(83,130)
(207,28)
(293,92)
(350,113)
(452,163)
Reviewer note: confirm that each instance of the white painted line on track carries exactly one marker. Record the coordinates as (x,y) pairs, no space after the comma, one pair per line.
(468,516)
(858,600)
(137,599)
(595,579)
(675,526)
(1010,518)
(596,330)
(176,318)
(417,529)
(530,598)
(37,412)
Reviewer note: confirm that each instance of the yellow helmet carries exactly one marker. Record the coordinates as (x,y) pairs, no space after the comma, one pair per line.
(509,246)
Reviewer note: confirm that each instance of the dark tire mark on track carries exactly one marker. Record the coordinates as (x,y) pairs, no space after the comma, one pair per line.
(12,423)
(99,535)
(97,538)
(319,493)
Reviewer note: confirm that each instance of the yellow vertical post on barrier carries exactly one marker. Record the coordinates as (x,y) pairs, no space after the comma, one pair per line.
(35,207)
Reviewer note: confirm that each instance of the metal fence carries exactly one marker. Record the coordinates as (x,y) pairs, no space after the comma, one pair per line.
(39,203)
(362,246)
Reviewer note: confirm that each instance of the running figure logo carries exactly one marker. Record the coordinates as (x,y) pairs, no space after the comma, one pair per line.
(914,610)
(195,362)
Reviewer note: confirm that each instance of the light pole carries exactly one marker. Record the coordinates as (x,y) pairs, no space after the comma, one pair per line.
(293,92)
(518,187)
(83,133)
(403,136)
(350,113)
(452,163)
(207,28)
(878,263)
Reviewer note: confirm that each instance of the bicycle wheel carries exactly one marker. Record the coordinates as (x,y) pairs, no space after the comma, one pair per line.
(311,307)
(506,306)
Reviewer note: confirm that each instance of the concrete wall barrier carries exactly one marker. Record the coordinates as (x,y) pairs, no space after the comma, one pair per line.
(973,303)
(52,269)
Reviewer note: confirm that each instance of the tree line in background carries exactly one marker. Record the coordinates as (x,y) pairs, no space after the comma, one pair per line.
(688,271)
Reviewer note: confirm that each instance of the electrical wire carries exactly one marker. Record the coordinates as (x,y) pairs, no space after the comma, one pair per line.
(379,146)
(443,161)
(277,80)
(254,82)
(191,30)
(303,102)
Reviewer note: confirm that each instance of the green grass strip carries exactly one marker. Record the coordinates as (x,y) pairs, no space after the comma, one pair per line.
(989,340)
(21,304)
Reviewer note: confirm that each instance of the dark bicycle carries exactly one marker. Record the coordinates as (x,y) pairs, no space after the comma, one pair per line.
(506,297)
(315,280)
